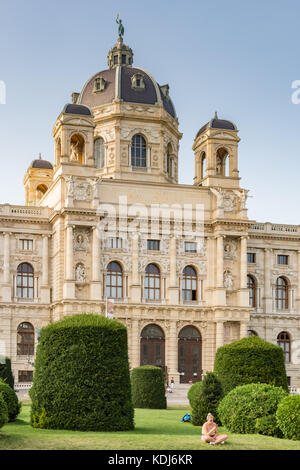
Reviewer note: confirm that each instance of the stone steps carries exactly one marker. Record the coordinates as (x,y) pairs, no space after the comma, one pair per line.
(178,395)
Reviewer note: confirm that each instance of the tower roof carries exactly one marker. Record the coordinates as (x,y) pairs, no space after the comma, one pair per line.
(217,123)
(40,163)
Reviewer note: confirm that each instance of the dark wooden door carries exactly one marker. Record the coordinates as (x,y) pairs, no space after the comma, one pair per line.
(189,360)
(153,352)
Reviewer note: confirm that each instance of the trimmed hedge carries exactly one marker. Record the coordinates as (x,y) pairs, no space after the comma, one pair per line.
(250,360)
(6,372)
(207,400)
(288,417)
(148,388)
(194,392)
(81,379)
(267,425)
(3,411)
(242,406)
(11,400)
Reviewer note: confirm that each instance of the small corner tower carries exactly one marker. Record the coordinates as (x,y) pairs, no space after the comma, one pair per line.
(216,154)
(37,180)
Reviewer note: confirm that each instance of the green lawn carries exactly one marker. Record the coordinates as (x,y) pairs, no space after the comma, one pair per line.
(155,430)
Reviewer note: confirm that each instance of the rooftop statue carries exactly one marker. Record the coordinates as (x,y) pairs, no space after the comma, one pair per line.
(120,26)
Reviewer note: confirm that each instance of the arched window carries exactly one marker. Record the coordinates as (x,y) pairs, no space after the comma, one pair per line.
(99,153)
(40,191)
(222,162)
(138,151)
(203,165)
(25,281)
(252,291)
(25,339)
(281,294)
(152,282)
(114,281)
(152,346)
(284,341)
(189,283)
(252,333)
(170,161)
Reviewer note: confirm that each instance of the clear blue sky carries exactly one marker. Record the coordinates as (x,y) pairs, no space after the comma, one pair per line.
(239,58)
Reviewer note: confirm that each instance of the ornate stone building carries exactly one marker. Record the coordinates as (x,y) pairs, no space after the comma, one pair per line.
(85,235)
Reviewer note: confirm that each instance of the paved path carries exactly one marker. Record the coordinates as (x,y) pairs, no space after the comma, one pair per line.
(179,395)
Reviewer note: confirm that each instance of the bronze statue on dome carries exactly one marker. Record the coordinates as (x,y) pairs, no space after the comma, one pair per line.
(120,26)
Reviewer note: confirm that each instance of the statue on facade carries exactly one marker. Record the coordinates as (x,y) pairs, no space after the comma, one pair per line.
(120,26)
(70,185)
(80,275)
(75,151)
(228,280)
(220,194)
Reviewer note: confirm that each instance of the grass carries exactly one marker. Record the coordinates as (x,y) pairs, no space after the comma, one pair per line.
(155,430)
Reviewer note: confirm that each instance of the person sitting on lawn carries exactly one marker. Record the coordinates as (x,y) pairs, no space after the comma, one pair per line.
(210,432)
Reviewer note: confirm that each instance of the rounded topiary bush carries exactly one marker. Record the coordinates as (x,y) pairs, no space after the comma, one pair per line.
(148,388)
(3,411)
(11,400)
(207,400)
(6,372)
(288,417)
(81,379)
(241,407)
(250,360)
(267,425)
(194,392)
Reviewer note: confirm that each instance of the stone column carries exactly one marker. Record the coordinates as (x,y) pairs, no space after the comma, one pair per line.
(6,288)
(45,288)
(45,277)
(244,266)
(268,289)
(6,258)
(243,329)
(172,360)
(173,291)
(219,334)
(298,285)
(220,261)
(96,290)
(69,284)
(135,287)
(135,344)
(69,253)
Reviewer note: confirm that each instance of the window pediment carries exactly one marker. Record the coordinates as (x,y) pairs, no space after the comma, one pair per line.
(137,82)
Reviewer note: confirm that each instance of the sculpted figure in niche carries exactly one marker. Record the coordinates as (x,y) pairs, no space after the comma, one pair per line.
(76,148)
(80,275)
(228,280)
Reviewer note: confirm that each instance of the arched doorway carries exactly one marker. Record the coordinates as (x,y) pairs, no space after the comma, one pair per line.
(189,355)
(153,346)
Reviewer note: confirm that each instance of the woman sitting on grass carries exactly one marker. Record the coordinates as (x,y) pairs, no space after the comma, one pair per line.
(210,432)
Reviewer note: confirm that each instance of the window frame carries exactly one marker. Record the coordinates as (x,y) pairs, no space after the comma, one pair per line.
(283,342)
(138,155)
(187,283)
(112,286)
(25,340)
(152,243)
(24,281)
(152,282)
(282,302)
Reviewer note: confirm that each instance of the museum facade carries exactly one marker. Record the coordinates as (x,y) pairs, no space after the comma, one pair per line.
(182,265)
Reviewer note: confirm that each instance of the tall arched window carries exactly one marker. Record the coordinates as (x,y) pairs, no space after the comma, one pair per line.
(99,153)
(189,283)
(222,162)
(25,281)
(284,341)
(281,294)
(25,339)
(203,165)
(114,280)
(252,291)
(152,282)
(138,151)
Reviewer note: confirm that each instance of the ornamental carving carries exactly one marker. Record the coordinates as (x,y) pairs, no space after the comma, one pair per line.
(80,274)
(81,240)
(226,200)
(228,280)
(230,249)
(82,190)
